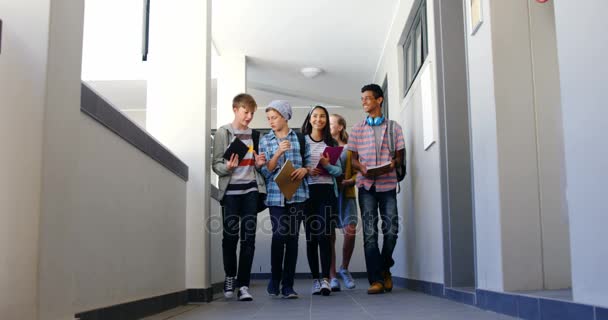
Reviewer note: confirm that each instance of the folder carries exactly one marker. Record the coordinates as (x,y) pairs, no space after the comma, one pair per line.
(283,179)
(334,154)
(237,146)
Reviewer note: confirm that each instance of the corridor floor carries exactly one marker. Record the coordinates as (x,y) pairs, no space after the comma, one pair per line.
(349,304)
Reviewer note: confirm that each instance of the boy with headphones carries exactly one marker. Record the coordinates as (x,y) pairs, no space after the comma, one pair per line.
(369,143)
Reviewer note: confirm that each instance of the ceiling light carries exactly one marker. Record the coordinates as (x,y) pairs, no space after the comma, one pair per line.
(311,72)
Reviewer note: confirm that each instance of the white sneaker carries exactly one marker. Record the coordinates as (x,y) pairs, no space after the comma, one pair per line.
(316,287)
(244,295)
(349,282)
(335,285)
(229,287)
(325,288)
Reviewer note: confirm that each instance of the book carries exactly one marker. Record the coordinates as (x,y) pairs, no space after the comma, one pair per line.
(283,179)
(236,146)
(378,170)
(334,154)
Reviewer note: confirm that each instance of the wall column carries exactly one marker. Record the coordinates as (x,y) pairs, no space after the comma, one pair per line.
(178,112)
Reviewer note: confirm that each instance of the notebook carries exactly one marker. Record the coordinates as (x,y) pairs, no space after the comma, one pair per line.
(283,179)
(376,170)
(237,146)
(334,154)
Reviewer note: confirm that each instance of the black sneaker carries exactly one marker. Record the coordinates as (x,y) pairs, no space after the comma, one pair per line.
(289,293)
(229,287)
(273,288)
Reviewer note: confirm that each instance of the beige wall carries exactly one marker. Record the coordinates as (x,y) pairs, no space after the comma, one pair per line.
(22,90)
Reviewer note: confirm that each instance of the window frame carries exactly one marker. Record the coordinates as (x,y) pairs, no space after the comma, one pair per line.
(410,47)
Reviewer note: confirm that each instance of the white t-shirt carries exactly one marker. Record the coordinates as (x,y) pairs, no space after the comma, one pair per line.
(316,149)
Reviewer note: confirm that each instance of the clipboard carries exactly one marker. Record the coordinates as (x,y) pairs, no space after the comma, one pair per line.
(283,179)
(237,146)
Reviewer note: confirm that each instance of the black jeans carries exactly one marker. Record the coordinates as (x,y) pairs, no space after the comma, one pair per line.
(239,208)
(284,248)
(318,228)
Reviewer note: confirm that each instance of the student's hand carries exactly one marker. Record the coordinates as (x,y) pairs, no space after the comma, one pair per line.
(260,159)
(364,172)
(314,171)
(324,160)
(233,162)
(284,146)
(299,174)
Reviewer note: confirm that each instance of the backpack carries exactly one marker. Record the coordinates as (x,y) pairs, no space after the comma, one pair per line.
(255,136)
(400,170)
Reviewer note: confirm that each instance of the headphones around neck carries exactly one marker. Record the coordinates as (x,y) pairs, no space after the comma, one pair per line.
(374,121)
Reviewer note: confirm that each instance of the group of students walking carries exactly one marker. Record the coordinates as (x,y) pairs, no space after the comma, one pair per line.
(324,201)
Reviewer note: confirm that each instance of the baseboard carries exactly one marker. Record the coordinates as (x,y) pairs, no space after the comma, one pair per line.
(137,309)
(516,305)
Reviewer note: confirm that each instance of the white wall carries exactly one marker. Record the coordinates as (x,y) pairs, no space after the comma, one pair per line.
(582,48)
(419,251)
(178,112)
(485,155)
(112,219)
(113,33)
(22,96)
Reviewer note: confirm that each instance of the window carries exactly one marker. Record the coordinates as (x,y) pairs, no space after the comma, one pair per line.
(385,100)
(415,47)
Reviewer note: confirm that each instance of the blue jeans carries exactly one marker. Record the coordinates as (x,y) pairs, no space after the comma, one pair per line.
(370,201)
(284,247)
(239,208)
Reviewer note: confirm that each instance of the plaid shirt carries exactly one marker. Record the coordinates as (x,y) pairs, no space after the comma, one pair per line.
(269,145)
(363,141)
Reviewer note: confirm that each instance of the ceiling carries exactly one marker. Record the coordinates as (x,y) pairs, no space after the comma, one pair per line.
(279,37)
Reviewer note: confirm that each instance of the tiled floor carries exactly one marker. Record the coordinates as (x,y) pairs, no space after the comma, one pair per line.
(349,304)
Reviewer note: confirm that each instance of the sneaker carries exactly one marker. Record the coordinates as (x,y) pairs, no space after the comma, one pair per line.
(229,287)
(325,288)
(289,293)
(244,295)
(375,288)
(349,282)
(273,288)
(388,281)
(335,285)
(316,287)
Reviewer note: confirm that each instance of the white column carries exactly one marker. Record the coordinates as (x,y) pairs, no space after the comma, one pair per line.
(232,80)
(23,79)
(178,113)
(582,49)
